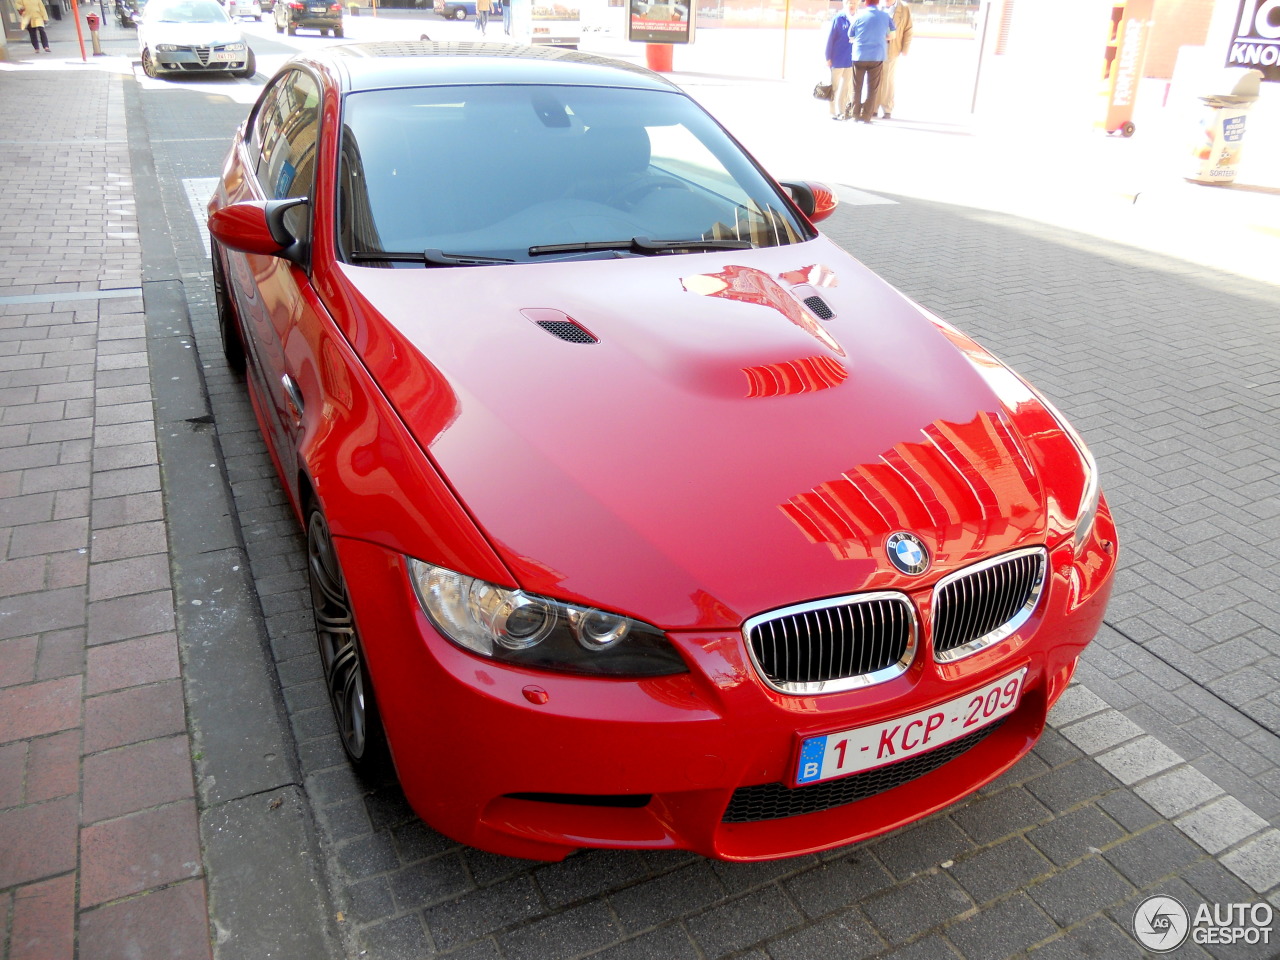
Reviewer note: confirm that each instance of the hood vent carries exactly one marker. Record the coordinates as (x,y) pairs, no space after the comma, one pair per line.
(809,296)
(560,325)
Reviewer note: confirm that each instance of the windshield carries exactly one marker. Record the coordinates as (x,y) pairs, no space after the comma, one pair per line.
(185,11)
(517,173)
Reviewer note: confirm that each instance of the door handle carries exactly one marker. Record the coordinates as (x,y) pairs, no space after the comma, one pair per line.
(293,398)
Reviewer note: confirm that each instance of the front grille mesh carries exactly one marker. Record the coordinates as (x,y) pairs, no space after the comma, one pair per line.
(978,604)
(203,54)
(848,639)
(773,801)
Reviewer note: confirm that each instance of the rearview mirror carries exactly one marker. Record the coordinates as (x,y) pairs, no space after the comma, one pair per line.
(816,201)
(257,226)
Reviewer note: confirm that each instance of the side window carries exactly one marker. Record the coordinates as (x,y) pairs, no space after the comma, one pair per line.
(263,133)
(287,134)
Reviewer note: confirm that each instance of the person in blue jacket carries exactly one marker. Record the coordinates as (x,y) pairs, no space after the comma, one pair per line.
(840,60)
(869,34)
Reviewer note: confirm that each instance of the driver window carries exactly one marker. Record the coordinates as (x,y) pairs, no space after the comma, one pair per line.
(288,129)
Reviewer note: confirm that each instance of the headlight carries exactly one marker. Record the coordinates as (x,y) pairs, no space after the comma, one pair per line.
(166,47)
(1092,493)
(532,631)
(234,47)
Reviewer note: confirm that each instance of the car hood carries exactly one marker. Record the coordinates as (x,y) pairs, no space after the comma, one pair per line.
(686,439)
(190,34)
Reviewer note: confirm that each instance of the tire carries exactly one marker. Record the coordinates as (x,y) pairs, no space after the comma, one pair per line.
(337,32)
(345,675)
(460,14)
(1127,128)
(149,64)
(250,66)
(228,323)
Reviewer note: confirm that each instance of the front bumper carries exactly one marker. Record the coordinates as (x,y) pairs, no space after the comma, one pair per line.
(191,60)
(534,764)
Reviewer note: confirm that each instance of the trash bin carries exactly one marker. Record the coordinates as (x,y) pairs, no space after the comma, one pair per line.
(1221,136)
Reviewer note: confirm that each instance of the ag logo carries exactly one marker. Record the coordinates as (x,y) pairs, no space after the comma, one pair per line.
(907,553)
(1161,923)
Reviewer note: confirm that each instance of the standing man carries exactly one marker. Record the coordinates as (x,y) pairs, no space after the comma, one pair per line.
(869,34)
(482,15)
(840,60)
(899,44)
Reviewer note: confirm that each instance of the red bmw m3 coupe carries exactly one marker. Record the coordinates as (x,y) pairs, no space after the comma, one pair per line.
(639,514)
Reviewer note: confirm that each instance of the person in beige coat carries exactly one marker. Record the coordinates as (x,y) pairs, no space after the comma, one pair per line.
(33,18)
(899,43)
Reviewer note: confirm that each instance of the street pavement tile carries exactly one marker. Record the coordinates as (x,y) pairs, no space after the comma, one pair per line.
(124,618)
(1072,835)
(918,905)
(429,882)
(18,656)
(35,709)
(61,654)
(171,923)
(483,912)
(37,841)
(400,937)
(589,873)
(740,923)
(925,845)
(1073,894)
(669,943)
(1001,929)
(1257,861)
(138,852)
(1097,938)
(53,766)
(1221,824)
(993,872)
(1153,855)
(838,884)
(846,935)
(13,765)
(44,920)
(136,777)
(1069,786)
(129,716)
(991,817)
(561,936)
(673,894)
(132,663)
(1178,791)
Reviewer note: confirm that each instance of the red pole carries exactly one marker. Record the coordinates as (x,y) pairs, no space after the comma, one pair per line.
(75,15)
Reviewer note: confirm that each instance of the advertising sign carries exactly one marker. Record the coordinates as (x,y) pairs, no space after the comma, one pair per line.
(662,21)
(1256,42)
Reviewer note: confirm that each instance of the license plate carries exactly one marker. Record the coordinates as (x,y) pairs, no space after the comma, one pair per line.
(319,9)
(225,56)
(865,748)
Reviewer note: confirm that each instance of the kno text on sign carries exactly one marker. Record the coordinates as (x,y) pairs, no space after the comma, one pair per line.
(1256,42)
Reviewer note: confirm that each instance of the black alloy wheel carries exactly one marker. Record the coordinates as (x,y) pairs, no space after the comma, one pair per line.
(228,325)
(346,678)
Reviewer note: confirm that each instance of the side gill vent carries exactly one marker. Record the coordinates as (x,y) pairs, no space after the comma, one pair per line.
(560,324)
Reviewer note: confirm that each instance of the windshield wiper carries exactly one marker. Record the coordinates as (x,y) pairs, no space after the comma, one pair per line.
(430,258)
(642,245)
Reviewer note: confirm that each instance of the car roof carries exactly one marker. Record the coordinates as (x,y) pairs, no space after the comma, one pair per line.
(374,66)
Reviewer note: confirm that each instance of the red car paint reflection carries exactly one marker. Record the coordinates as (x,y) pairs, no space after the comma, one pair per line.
(623,486)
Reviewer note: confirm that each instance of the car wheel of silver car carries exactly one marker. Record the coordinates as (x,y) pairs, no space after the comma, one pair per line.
(345,675)
(148,64)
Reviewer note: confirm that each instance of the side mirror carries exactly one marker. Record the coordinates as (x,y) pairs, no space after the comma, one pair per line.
(816,201)
(257,226)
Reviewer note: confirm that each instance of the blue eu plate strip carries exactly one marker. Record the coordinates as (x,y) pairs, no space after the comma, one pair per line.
(811,755)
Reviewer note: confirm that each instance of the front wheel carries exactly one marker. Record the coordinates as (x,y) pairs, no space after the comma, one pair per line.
(345,675)
(228,325)
(148,64)
(459,14)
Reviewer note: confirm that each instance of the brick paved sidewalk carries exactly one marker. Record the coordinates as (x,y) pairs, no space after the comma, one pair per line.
(99,846)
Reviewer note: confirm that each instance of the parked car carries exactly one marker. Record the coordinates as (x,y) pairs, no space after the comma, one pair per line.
(325,16)
(638,513)
(191,36)
(244,8)
(461,9)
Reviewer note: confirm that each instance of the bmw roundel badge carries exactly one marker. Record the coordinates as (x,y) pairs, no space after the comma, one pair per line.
(907,553)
